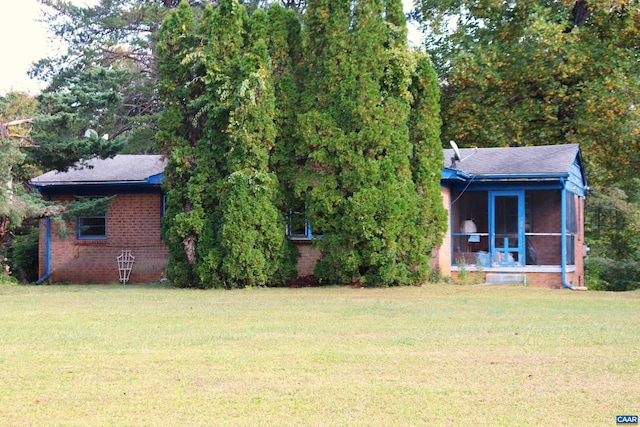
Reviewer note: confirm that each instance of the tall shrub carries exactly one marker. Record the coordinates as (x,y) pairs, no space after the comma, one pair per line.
(365,187)
(178,134)
(226,229)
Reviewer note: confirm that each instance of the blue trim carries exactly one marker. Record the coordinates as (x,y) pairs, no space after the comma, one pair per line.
(504,186)
(453,174)
(528,177)
(563,236)
(155,179)
(47,271)
(99,188)
(505,250)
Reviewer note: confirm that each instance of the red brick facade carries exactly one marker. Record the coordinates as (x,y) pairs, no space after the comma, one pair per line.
(133,222)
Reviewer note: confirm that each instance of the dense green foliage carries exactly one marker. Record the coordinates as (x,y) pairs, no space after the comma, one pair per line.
(23,255)
(539,72)
(367,182)
(224,227)
(613,234)
(255,125)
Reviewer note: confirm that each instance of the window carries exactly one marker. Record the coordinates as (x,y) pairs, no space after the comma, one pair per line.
(298,225)
(92,228)
(92,225)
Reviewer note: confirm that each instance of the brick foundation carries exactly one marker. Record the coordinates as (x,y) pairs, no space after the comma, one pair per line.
(542,280)
(308,257)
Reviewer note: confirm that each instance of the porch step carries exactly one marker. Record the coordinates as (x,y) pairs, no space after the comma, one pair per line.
(505,279)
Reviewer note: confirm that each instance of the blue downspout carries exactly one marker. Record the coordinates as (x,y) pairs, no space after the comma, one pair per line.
(47,264)
(563,243)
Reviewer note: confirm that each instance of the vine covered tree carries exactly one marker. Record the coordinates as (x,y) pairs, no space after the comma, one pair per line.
(224,227)
(177,135)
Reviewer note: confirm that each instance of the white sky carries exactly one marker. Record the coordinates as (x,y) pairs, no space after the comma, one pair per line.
(24,41)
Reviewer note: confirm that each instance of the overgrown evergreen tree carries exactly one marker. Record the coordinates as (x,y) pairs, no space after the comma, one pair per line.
(236,136)
(361,162)
(178,135)
(285,50)
(251,246)
(427,159)
(230,230)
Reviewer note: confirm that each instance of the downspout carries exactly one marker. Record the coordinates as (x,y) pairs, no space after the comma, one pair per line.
(47,271)
(563,234)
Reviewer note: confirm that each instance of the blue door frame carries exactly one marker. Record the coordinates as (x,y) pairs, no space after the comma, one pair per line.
(507,228)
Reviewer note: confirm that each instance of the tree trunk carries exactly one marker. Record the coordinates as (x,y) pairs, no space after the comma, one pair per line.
(580,13)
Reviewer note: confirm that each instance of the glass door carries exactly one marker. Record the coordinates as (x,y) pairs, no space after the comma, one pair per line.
(507,227)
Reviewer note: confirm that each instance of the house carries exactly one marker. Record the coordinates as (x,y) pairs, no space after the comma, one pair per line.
(89,251)
(515,214)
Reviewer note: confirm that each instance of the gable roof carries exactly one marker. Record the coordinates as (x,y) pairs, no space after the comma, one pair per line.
(123,168)
(520,161)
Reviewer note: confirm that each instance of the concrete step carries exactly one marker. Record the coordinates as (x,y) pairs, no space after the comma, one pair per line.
(506,279)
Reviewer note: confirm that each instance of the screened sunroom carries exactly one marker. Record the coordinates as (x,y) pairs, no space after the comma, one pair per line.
(516,211)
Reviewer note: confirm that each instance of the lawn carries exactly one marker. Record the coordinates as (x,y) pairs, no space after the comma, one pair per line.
(440,354)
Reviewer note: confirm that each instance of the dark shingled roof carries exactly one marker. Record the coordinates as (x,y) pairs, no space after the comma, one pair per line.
(121,168)
(545,159)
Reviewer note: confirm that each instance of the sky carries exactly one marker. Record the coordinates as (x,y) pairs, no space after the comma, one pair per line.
(25,40)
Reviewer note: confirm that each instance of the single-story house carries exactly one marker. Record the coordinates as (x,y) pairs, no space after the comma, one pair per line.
(515,214)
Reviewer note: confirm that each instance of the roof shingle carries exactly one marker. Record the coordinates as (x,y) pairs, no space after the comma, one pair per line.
(121,168)
(538,160)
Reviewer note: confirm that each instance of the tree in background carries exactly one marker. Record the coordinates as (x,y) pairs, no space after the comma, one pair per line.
(366,184)
(32,140)
(612,223)
(535,73)
(115,40)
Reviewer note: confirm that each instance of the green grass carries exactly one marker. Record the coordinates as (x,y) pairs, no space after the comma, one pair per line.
(434,355)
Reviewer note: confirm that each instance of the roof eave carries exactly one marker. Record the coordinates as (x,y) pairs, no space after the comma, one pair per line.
(100,187)
(520,177)
(80,183)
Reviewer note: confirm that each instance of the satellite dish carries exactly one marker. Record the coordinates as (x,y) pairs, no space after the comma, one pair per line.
(456,153)
(90,133)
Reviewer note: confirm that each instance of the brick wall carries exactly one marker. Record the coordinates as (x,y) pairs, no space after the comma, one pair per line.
(442,256)
(308,257)
(133,222)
